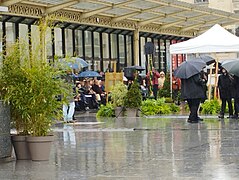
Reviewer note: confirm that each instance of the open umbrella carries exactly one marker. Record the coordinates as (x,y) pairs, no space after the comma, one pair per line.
(89,74)
(207,59)
(138,68)
(189,68)
(232,66)
(74,62)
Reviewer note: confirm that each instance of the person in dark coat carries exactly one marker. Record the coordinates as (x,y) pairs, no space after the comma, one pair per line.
(192,91)
(204,77)
(236,96)
(225,85)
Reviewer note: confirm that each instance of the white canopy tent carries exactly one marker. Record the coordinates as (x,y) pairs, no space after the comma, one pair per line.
(215,40)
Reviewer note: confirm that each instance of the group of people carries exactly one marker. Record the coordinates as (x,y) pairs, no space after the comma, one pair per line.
(228,89)
(86,94)
(157,81)
(194,91)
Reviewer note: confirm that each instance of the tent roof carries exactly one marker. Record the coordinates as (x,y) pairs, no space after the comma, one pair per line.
(216,39)
(161,16)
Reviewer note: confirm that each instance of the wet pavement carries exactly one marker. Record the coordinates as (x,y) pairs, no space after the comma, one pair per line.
(165,147)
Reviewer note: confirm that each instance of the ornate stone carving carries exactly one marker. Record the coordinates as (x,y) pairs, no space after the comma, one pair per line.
(156,29)
(26,10)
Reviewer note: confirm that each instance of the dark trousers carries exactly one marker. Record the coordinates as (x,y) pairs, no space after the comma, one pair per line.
(223,107)
(193,106)
(175,96)
(236,106)
(155,91)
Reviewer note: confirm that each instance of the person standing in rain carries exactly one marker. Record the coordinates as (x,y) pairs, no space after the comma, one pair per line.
(192,91)
(236,96)
(154,81)
(69,107)
(225,86)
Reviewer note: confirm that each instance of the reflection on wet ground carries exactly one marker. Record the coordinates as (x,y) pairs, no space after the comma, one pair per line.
(137,148)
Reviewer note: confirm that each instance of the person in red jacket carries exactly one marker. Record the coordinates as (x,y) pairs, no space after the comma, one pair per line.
(154,81)
(176,86)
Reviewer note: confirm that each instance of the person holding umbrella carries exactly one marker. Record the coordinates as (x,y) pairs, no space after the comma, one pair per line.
(232,67)
(191,86)
(225,86)
(236,96)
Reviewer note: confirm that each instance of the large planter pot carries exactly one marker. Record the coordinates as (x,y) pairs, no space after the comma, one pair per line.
(119,112)
(131,112)
(5,138)
(20,147)
(40,147)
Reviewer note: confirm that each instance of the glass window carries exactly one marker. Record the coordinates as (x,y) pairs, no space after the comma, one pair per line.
(23,36)
(129,50)
(105,45)
(96,65)
(23,33)
(121,51)
(113,46)
(49,43)
(200,1)
(35,38)
(1,34)
(149,39)
(143,56)
(78,39)
(156,54)
(68,42)
(96,45)
(88,50)
(162,55)
(58,42)
(10,34)
(167,54)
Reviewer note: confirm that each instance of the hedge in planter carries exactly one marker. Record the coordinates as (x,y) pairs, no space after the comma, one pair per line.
(106,111)
(211,107)
(154,107)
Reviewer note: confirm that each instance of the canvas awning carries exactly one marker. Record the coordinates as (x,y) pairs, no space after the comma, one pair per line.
(216,39)
(159,16)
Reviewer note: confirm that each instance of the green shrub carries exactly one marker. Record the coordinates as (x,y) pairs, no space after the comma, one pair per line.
(106,111)
(149,107)
(168,100)
(211,107)
(153,107)
(118,93)
(133,97)
(164,109)
(174,108)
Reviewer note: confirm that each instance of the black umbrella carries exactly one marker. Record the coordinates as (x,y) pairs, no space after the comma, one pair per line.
(232,66)
(207,59)
(138,68)
(189,68)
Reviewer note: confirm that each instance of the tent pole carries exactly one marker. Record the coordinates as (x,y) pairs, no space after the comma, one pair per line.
(171,76)
(216,73)
(210,84)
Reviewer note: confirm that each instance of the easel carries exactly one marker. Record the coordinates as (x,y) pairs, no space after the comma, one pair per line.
(215,80)
(111,78)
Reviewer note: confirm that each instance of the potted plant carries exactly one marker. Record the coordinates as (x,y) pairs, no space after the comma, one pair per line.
(118,94)
(30,85)
(11,74)
(133,99)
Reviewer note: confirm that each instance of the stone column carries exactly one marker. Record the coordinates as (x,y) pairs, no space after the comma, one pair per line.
(5,139)
(136,46)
